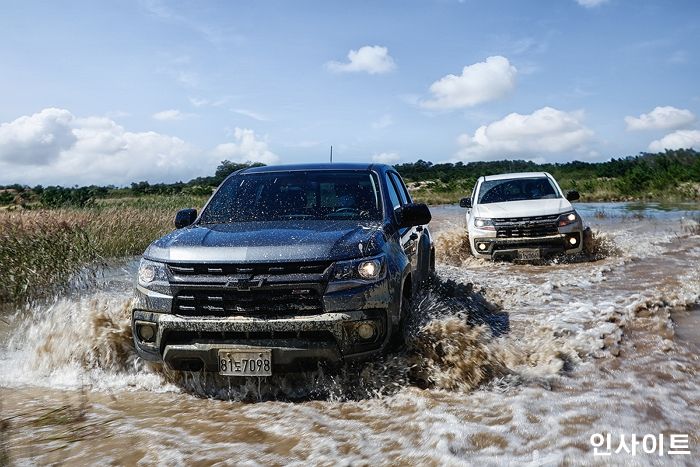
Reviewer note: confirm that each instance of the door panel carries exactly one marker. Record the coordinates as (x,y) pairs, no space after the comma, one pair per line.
(410,236)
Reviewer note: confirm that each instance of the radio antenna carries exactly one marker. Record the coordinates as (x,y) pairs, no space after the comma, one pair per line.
(331,154)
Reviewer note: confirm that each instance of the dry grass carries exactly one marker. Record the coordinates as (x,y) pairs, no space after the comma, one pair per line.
(43,249)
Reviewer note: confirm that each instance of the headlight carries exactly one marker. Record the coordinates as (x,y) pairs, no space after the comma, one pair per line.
(365,269)
(567,218)
(484,223)
(150,271)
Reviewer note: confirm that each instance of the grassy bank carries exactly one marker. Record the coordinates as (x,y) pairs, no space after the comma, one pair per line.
(41,249)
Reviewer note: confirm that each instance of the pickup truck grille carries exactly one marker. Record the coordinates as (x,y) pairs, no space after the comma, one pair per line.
(526,227)
(253,302)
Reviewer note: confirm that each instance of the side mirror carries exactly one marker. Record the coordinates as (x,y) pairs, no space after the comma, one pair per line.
(572,195)
(185,217)
(465,203)
(413,214)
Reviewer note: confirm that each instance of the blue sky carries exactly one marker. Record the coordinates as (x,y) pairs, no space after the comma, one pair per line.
(113,92)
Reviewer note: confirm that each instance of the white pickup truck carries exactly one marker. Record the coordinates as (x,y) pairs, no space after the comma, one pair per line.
(522,216)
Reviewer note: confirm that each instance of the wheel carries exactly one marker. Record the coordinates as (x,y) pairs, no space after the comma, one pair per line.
(398,331)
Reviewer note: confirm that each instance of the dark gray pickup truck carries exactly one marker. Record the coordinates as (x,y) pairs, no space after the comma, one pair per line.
(285,269)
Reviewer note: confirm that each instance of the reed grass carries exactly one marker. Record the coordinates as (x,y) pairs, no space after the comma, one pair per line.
(42,249)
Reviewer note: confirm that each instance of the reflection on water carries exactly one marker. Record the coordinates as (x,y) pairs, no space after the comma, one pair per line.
(505,362)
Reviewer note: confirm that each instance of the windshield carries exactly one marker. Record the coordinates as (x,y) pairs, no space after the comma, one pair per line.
(517,189)
(310,195)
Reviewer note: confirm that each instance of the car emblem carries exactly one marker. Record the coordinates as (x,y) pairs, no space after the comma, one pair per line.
(244,284)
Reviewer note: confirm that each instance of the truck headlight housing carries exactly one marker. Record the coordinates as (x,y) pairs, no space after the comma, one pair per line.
(150,272)
(567,218)
(484,223)
(364,269)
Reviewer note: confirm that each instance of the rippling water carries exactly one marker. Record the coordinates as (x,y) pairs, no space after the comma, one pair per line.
(521,366)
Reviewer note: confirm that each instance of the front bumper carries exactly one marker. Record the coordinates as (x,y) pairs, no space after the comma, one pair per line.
(488,245)
(297,343)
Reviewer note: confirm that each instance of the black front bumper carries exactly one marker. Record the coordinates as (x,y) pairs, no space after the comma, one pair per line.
(298,343)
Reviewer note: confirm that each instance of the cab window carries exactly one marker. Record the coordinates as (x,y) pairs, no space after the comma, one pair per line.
(400,187)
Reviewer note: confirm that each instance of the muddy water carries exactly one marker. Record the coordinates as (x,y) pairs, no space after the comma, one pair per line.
(522,366)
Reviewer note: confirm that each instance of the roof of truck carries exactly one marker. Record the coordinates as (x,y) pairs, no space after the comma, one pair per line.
(313,166)
(517,175)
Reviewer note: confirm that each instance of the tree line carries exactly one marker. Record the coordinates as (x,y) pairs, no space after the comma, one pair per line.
(631,176)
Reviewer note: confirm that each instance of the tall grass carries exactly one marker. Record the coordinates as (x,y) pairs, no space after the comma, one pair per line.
(41,249)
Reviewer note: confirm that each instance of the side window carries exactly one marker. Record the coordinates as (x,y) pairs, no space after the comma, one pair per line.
(393,195)
(401,188)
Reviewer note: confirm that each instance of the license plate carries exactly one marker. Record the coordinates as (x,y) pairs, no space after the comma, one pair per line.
(529,254)
(234,362)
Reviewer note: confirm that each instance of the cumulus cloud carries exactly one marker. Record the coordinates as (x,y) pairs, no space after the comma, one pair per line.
(386,158)
(478,83)
(680,139)
(56,147)
(246,148)
(170,115)
(372,59)
(545,131)
(661,118)
(36,139)
(590,3)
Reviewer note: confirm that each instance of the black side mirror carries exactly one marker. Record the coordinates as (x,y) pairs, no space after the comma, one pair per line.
(413,214)
(465,203)
(572,195)
(185,217)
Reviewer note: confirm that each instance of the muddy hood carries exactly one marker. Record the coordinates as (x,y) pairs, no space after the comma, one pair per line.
(539,207)
(268,242)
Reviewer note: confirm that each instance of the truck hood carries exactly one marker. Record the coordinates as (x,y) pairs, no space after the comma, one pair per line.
(528,208)
(269,242)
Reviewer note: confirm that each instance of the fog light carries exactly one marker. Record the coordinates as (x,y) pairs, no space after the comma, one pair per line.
(146,332)
(482,246)
(366,330)
(573,240)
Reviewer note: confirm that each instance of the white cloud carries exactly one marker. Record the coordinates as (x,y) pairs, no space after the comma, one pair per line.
(480,82)
(386,158)
(384,121)
(371,59)
(246,148)
(680,139)
(37,139)
(197,102)
(661,118)
(251,114)
(56,147)
(201,102)
(591,3)
(545,131)
(170,115)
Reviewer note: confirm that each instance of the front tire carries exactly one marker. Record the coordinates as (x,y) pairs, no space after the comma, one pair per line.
(400,330)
